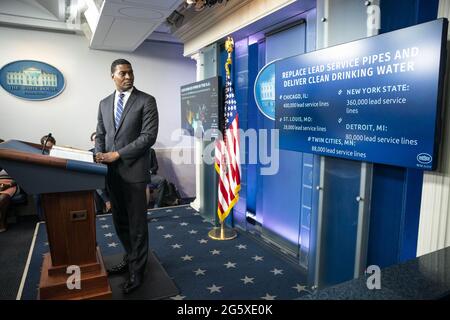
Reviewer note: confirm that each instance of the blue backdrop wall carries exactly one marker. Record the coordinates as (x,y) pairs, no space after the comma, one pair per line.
(290,195)
(396,192)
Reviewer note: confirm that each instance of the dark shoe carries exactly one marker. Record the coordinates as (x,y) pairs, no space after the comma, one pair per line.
(133,282)
(119,268)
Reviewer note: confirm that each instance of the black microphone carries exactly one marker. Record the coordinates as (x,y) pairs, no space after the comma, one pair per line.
(45,142)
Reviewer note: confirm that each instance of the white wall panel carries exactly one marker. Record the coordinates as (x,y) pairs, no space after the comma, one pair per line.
(434,225)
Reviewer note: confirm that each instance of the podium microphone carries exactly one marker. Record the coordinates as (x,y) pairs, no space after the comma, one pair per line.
(45,142)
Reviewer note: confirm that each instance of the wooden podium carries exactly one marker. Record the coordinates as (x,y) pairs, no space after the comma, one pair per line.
(66,188)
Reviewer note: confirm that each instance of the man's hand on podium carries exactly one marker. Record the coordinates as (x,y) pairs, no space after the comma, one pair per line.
(108,157)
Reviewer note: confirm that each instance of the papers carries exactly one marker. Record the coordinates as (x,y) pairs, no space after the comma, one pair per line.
(71,153)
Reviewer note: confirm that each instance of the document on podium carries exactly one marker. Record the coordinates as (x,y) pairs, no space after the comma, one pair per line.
(71,153)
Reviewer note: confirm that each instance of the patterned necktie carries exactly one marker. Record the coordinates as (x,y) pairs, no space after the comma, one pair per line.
(119,109)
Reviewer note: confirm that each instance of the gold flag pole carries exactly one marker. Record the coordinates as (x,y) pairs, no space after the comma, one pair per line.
(229,46)
(222,233)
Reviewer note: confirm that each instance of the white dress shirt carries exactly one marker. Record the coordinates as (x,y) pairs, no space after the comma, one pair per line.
(125,99)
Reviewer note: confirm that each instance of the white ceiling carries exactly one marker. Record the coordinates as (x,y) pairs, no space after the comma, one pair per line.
(41,14)
(124,24)
(119,25)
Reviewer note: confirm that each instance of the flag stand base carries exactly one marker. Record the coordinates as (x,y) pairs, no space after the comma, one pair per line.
(222,233)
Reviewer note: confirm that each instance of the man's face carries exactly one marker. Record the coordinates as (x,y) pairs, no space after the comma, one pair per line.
(123,77)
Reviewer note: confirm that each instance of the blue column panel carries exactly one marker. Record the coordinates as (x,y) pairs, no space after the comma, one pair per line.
(340,220)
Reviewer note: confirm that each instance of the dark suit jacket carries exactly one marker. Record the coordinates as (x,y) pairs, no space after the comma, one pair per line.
(137,132)
(153,162)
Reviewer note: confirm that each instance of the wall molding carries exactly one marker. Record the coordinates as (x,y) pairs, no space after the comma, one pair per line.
(213,25)
(204,19)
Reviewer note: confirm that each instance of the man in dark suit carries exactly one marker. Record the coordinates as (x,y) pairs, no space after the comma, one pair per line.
(126,129)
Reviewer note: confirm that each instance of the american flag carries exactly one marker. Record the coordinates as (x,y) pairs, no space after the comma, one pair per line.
(227,158)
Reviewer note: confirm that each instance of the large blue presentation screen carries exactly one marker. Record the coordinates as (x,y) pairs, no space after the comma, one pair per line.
(377,99)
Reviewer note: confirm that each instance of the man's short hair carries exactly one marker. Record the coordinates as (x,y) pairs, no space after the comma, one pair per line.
(117,62)
(92,135)
(50,139)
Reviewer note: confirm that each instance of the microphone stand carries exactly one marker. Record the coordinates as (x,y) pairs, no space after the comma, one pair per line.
(45,142)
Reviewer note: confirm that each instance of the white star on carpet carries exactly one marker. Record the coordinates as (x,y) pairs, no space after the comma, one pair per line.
(214,288)
(268,297)
(197,228)
(186,258)
(169,210)
(300,288)
(230,264)
(188,208)
(199,272)
(276,271)
(105,226)
(102,219)
(46,243)
(205,220)
(247,280)
(154,220)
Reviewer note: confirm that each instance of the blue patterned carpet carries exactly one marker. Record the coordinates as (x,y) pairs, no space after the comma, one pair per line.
(202,268)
